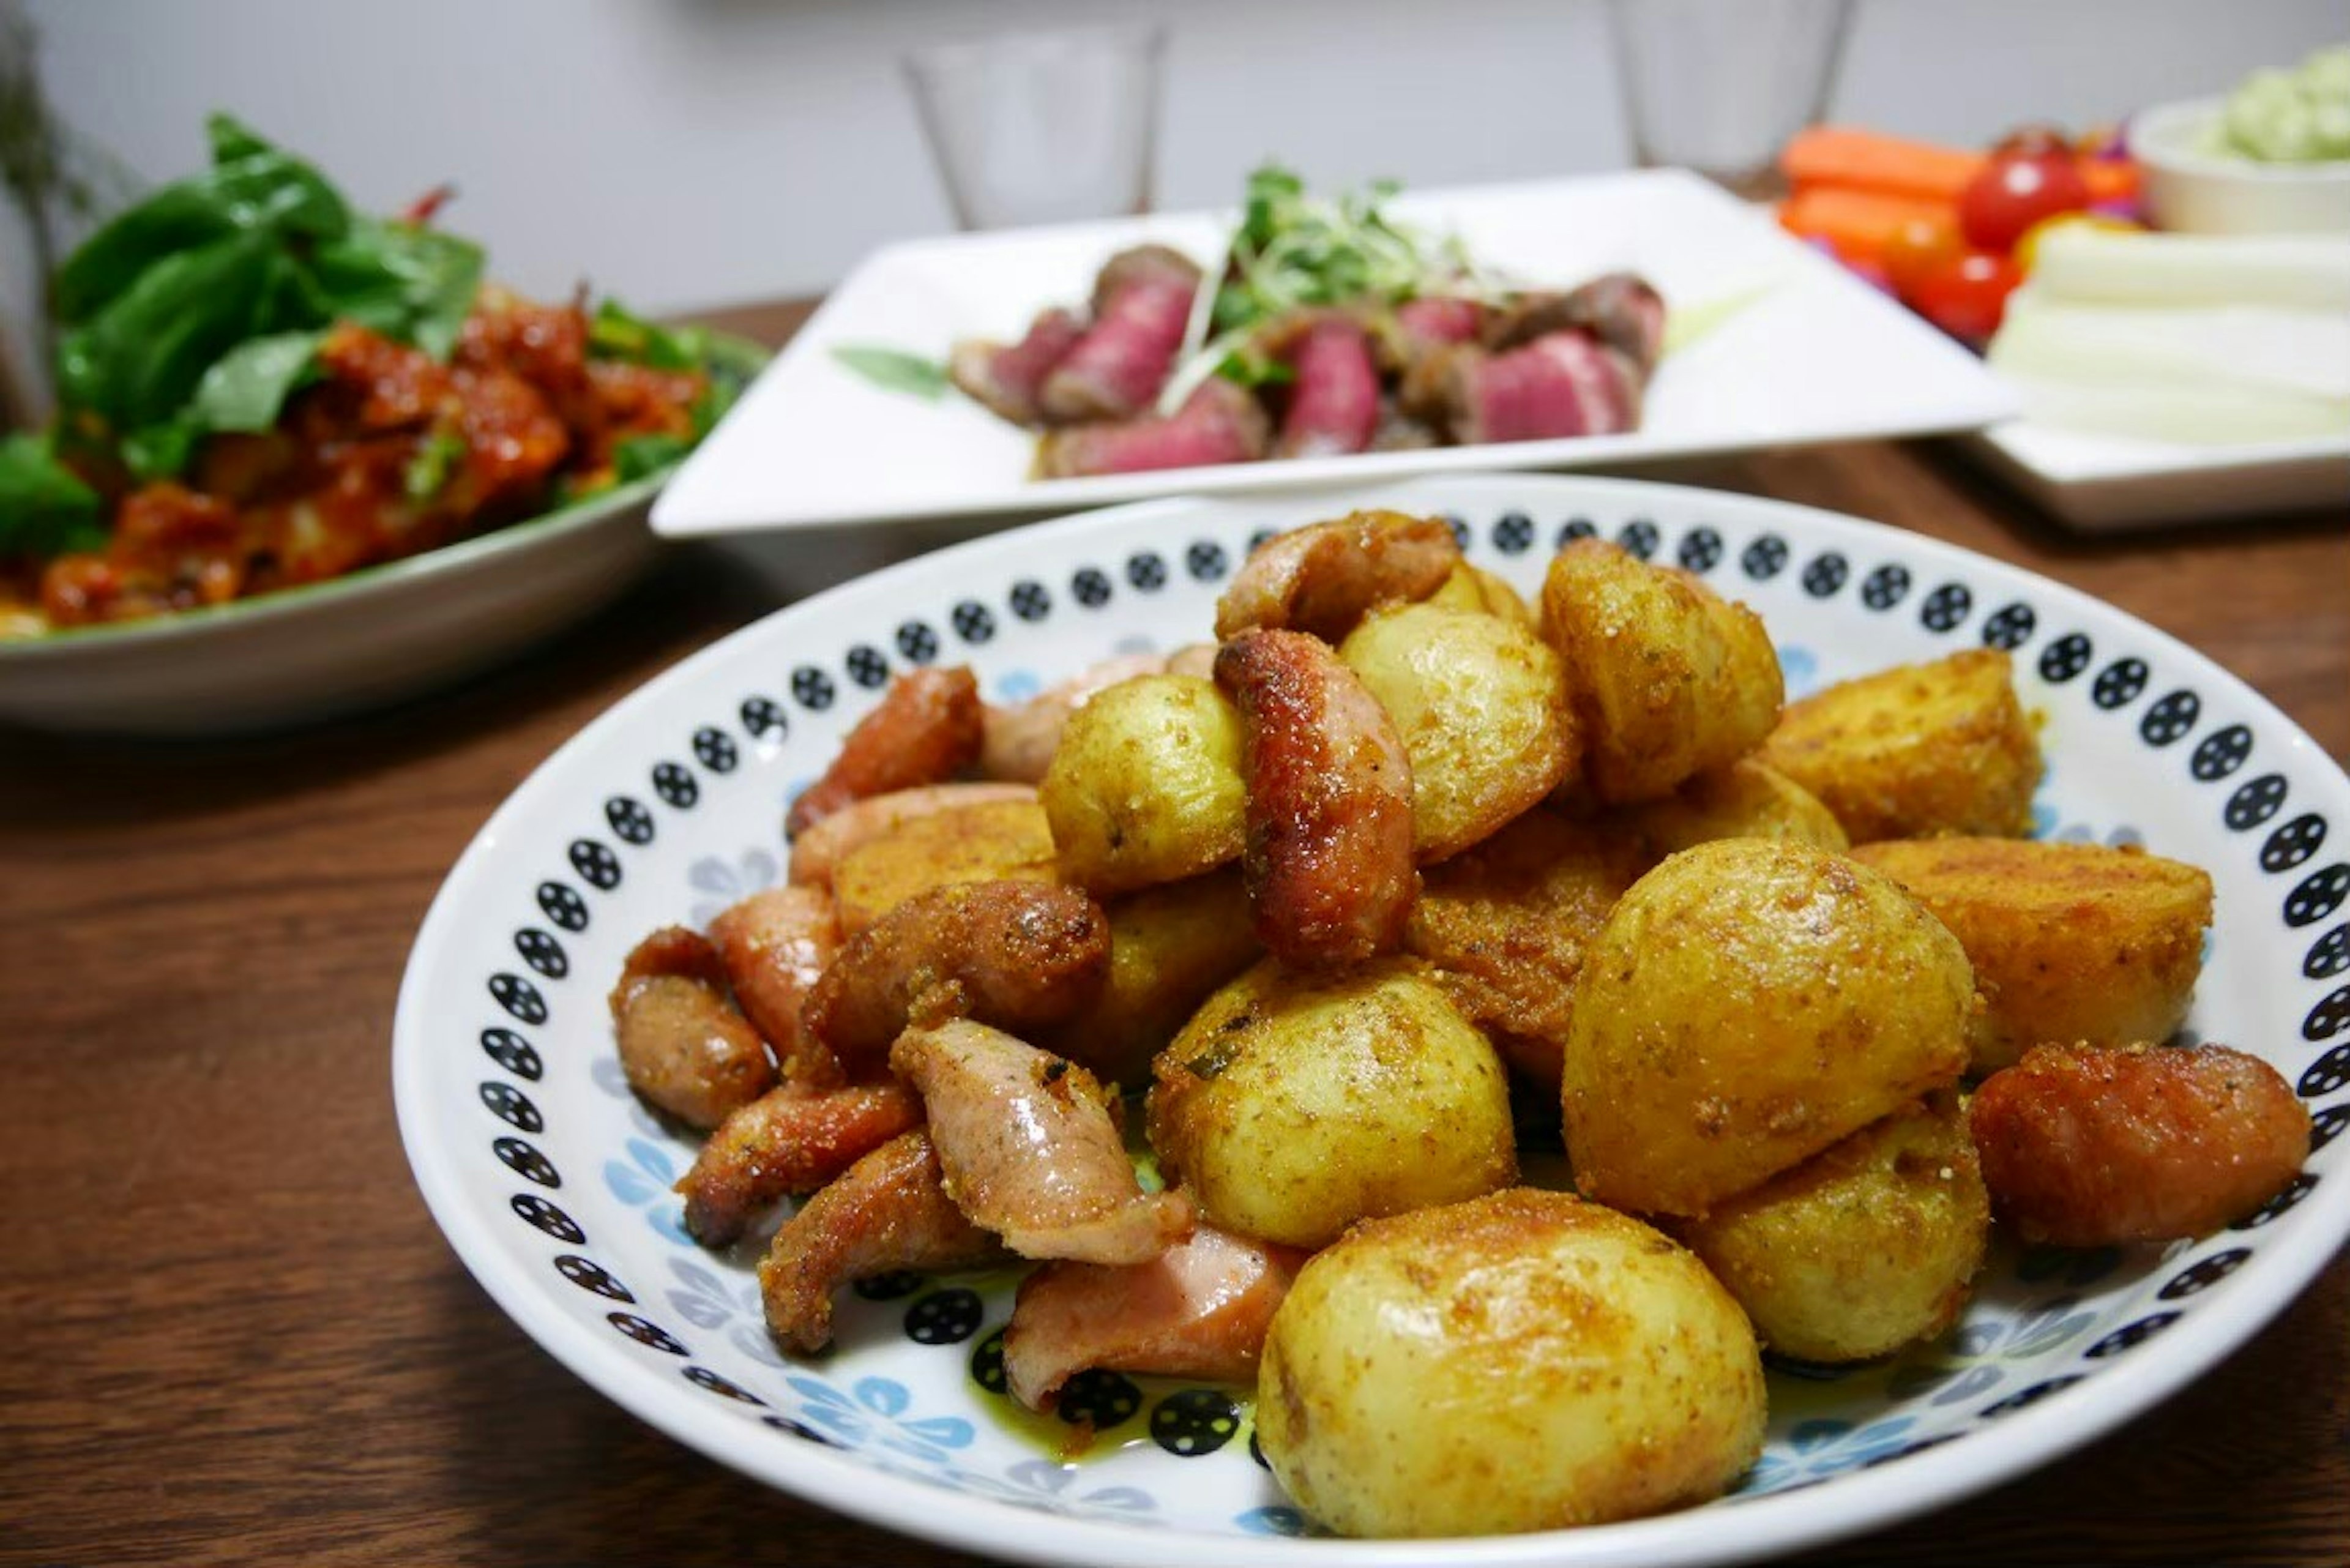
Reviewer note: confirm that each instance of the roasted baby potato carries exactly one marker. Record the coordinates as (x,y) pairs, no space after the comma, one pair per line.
(1294,1106)
(1146,785)
(1523,1361)
(1915,750)
(1003,840)
(1475,588)
(1747,1004)
(1745,800)
(2069,942)
(1170,947)
(1480,705)
(1666,678)
(1505,925)
(1861,1249)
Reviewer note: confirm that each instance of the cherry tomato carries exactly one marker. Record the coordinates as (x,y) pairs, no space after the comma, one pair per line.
(2015,191)
(2032,141)
(1917,246)
(1966,295)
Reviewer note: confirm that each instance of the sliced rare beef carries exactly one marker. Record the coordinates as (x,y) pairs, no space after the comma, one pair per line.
(1565,383)
(1334,403)
(1618,308)
(1009,377)
(1142,303)
(1218,423)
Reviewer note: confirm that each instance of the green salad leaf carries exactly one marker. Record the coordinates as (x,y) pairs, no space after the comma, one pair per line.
(44,510)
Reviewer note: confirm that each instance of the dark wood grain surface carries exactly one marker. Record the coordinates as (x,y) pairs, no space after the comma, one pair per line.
(231,1332)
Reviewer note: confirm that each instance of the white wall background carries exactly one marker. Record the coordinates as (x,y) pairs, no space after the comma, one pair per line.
(691,153)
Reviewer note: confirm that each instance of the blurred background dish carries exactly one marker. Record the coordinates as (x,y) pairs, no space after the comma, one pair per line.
(1717,85)
(2195,189)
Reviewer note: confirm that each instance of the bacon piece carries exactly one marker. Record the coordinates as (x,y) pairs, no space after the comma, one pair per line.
(774,945)
(825,844)
(926,728)
(1142,304)
(887,1211)
(1021,739)
(2083,1147)
(1562,384)
(1322,578)
(1020,955)
(1619,308)
(1218,423)
(1008,377)
(1329,857)
(1200,1309)
(1030,1150)
(791,1140)
(682,1044)
(1333,408)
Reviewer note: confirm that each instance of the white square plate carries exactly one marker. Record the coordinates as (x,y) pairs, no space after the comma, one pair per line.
(2101,483)
(1815,356)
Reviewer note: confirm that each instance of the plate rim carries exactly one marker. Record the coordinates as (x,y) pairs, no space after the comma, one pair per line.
(1872,1501)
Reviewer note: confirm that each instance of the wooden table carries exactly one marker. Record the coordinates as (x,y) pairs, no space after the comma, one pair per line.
(232,1333)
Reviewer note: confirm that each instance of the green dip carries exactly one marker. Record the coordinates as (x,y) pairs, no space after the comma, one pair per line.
(2300,116)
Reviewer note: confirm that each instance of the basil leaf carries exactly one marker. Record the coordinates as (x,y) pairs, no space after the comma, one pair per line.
(161,450)
(895,371)
(412,284)
(139,359)
(247,387)
(616,333)
(429,470)
(45,509)
(637,456)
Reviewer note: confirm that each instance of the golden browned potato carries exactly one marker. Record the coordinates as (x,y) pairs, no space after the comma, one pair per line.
(1865,1247)
(1294,1106)
(1666,678)
(1523,1361)
(1748,1003)
(1003,840)
(1475,588)
(1170,947)
(1745,800)
(1146,785)
(2069,942)
(1505,925)
(1480,705)
(1915,750)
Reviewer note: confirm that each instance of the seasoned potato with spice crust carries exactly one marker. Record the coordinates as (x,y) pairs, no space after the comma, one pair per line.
(1504,927)
(1475,588)
(1145,786)
(1170,947)
(1747,1004)
(2069,942)
(1480,704)
(1918,750)
(1744,800)
(1292,1106)
(1001,840)
(1523,1361)
(1666,678)
(1861,1249)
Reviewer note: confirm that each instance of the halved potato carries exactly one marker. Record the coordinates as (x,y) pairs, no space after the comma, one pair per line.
(1666,678)
(1747,1004)
(1523,1361)
(1480,705)
(1003,840)
(1475,588)
(1748,799)
(1919,750)
(1169,948)
(2070,942)
(1146,787)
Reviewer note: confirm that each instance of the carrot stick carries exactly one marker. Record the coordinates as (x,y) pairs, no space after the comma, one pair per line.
(1856,223)
(1870,161)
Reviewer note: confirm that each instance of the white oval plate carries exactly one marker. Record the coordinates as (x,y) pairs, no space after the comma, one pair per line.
(350,643)
(553,1186)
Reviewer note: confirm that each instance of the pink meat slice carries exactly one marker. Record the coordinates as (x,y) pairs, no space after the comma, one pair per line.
(1010,377)
(1334,407)
(1438,318)
(1200,1309)
(1030,1150)
(1142,303)
(1564,383)
(1218,423)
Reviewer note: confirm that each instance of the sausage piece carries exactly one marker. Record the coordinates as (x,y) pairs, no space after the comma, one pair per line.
(2089,1148)
(683,1045)
(926,729)
(774,945)
(1324,578)
(791,1140)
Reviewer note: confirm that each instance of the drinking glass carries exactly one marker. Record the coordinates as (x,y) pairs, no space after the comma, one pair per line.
(1717,85)
(1040,128)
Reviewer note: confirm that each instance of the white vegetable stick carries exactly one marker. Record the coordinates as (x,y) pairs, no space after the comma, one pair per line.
(2207,415)
(2083,263)
(2301,351)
